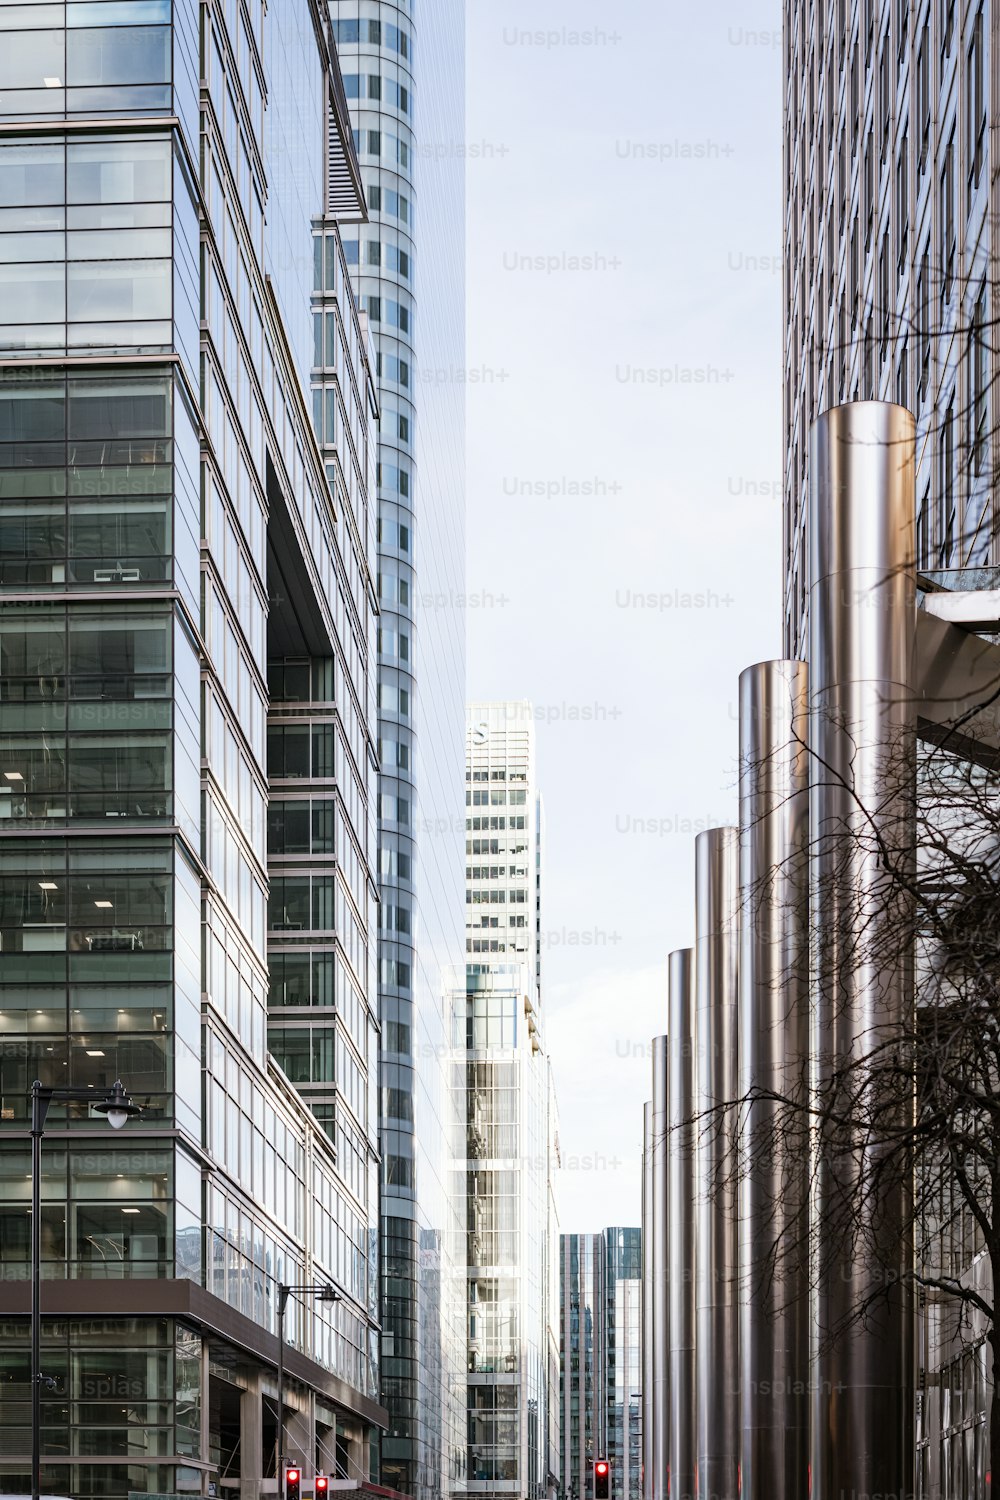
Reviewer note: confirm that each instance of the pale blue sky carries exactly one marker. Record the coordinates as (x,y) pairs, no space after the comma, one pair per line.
(624,313)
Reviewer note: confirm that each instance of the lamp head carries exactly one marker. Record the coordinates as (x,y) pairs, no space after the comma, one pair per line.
(118,1108)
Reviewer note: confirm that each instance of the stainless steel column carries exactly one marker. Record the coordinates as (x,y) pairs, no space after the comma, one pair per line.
(862,618)
(682,1442)
(660,1329)
(773,1058)
(647,1300)
(717,1322)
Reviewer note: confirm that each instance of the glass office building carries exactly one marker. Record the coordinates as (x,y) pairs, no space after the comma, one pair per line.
(622,1259)
(186,746)
(511,1148)
(889,241)
(404,77)
(890,245)
(600,1355)
(583,1425)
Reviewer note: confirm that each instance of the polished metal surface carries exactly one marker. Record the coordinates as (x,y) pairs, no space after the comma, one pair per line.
(862,613)
(773,1059)
(717,1272)
(682,1437)
(647,1299)
(660,1325)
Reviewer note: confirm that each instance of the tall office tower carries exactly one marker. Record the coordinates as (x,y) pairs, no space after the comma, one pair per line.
(890,250)
(582,1331)
(889,245)
(511,1133)
(601,1388)
(552,1266)
(623,1345)
(176,550)
(404,75)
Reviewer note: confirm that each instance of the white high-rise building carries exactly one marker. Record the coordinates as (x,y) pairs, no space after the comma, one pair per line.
(511,1136)
(504,828)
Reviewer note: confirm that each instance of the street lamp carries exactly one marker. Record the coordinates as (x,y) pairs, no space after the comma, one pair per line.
(117,1107)
(323,1292)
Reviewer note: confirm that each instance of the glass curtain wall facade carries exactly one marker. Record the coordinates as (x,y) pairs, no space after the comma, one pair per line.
(622,1258)
(890,241)
(581,1348)
(600,1357)
(163,500)
(553,1164)
(890,254)
(511,1127)
(404,79)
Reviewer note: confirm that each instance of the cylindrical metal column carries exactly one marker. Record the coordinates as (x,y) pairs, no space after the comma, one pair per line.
(683,1437)
(647,1300)
(862,621)
(773,1059)
(660,1330)
(717,1289)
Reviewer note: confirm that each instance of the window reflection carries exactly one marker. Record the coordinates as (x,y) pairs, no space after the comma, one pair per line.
(85,727)
(118,55)
(109,58)
(109,902)
(65,281)
(86,476)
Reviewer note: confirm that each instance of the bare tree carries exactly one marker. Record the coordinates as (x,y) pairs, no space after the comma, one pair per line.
(904,1130)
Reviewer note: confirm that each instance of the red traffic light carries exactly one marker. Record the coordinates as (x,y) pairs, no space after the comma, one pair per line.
(293,1481)
(601,1468)
(322,1484)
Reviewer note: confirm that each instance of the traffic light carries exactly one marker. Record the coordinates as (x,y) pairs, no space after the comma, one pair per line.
(293,1484)
(322,1486)
(602,1479)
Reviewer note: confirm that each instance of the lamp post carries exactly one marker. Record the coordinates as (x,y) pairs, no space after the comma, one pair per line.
(323,1292)
(117,1107)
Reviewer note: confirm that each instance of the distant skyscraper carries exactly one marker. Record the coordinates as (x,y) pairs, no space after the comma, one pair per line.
(600,1350)
(583,1426)
(404,74)
(623,1350)
(511,1135)
(600,1397)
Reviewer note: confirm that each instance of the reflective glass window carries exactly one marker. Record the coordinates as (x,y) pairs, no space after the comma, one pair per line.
(32,60)
(117,12)
(118,171)
(118,55)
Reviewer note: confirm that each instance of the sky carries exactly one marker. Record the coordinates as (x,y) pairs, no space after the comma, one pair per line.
(624,492)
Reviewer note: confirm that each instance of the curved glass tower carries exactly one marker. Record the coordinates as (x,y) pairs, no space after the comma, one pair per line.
(404,125)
